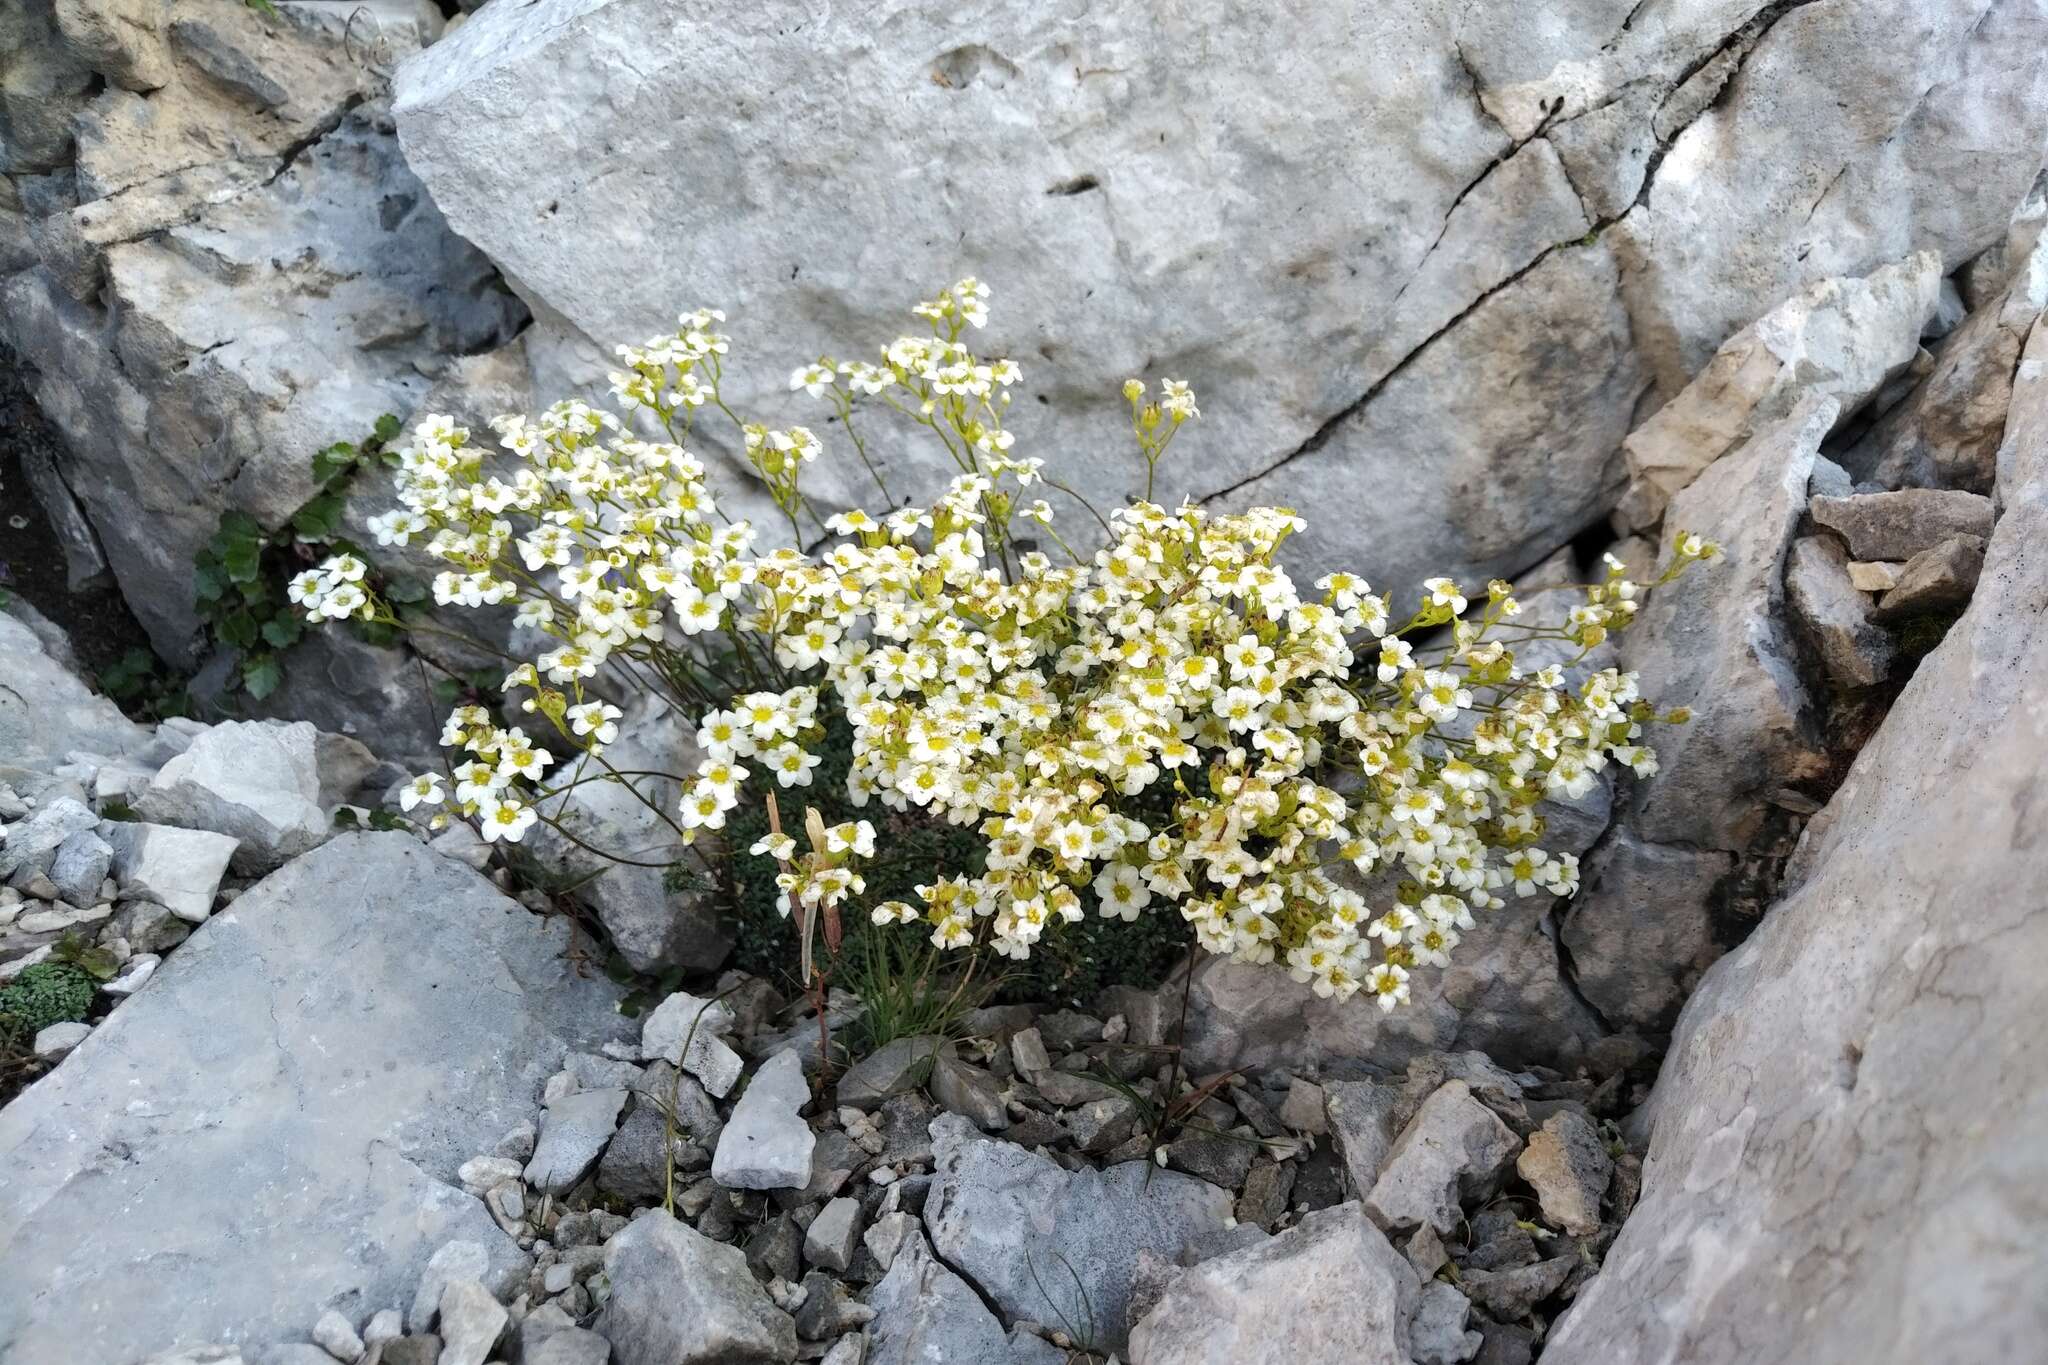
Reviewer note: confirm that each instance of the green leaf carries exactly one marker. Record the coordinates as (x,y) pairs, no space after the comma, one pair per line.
(243,561)
(387,428)
(446,690)
(239,528)
(318,519)
(210,582)
(405,591)
(262,676)
(282,632)
(239,629)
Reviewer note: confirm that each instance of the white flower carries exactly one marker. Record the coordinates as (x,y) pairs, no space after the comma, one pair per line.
(422,790)
(505,818)
(596,719)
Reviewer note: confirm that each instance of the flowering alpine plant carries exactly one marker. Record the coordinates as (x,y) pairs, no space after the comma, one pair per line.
(1171,721)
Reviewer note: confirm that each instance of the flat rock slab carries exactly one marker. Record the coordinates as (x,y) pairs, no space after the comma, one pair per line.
(274,1126)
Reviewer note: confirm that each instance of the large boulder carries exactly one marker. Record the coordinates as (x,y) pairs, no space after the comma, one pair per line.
(226,265)
(276,1123)
(1425,264)
(1847,1127)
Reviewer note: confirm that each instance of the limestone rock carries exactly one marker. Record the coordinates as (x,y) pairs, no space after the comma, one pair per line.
(179,869)
(573,1133)
(830,1240)
(1854,649)
(902,1065)
(332,1049)
(31,844)
(1865,1062)
(1902,524)
(656,929)
(1361,1123)
(1569,1167)
(47,714)
(471,1321)
(1330,1288)
(927,1315)
(684,1031)
(1454,1147)
(1939,578)
(679,1298)
(1015,1221)
(258,781)
(1438,1332)
(1843,338)
(228,264)
(767,1145)
(1947,433)
(80,865)
(54,1042)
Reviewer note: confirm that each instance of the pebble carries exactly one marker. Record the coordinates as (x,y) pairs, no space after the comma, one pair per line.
(336,1335)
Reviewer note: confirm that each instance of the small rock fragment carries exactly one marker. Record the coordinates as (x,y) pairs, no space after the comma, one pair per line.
(833,1235)
(1900,525)
(767,1145)
(336,1335)
(1437,1331)
(1453,1147)
(472,1320)
(56,1041)
(1938,579)
(1569,1167)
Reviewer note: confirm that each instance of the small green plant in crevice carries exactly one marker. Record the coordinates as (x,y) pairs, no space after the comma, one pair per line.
(48,993)
(239,572)
(909,989)
(144,686)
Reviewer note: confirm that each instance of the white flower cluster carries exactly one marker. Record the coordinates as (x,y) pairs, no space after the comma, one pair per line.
(1170,723)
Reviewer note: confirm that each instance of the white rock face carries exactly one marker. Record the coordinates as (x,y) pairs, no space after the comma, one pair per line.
(1867,1062)
(258,781)
(223,264)
(330,1051)
(1422,264)
(767,1144)
(179,869)
(1841,338)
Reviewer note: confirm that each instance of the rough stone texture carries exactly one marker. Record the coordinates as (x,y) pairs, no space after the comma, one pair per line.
(927,1315)
(1569,1167)
(1841,338)
(1438,1329)
(767,1145)
(1854,649)
(573,1134)
(1469,326)
(330,1050)
(1360,1119)
(256,780)
(47,714)
(471,1322)
(684,1031)
(902,1065)
(1948,432)
(832,1236)
(1867,1061)
(31,845)
(1645,921)
(1939,578)
(1454,1147)
(655,929)
(1330,1288)
(179,869)
(1015,1222)
(223,276)
(80,865)
(1902,524)
(679,1298)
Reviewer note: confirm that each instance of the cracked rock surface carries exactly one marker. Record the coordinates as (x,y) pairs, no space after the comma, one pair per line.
(1791,1132)
(320,1057)
(1512,237)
